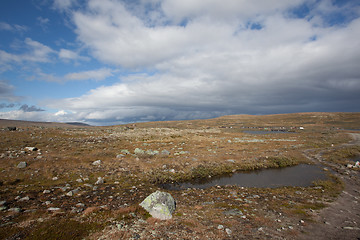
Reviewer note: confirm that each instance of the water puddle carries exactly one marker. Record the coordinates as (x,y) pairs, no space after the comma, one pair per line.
(262,132)
(302,175)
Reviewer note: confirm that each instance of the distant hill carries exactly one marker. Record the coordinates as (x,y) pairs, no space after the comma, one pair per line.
(4,123)
(79,124)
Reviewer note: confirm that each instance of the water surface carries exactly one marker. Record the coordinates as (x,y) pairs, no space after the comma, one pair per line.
(302,175)
(261,132)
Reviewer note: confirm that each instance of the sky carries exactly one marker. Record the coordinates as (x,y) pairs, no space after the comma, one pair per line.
(106,62)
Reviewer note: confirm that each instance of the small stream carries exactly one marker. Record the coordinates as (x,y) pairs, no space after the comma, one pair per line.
(302,175)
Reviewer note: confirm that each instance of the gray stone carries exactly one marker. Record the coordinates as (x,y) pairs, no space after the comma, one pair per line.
(24,199)
(139,151)
(22,165)
(100,181)
(97,163)
(152,152)
(31,149)
(69,194)
(228,231)
(165,152)
(125,151)
(16,209)
(233,212)
(160,205)
(53,209)
(220,227)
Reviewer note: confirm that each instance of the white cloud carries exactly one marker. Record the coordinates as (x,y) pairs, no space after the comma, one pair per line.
(43,22)
(99,74)
(60,113)
(36,52)
(63,4)
(12,27)
(67,54)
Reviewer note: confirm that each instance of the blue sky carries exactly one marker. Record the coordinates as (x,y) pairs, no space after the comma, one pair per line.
(111,61)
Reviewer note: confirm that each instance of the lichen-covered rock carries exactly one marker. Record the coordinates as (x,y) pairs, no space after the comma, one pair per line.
(160,205)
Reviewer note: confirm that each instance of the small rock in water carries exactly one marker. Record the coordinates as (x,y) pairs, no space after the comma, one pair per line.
(160,205)
(22,165)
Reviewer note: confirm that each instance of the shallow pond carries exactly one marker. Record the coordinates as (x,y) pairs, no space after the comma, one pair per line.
(261,132)
(302,175)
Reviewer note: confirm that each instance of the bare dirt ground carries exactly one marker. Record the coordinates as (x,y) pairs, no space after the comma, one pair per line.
(341,219)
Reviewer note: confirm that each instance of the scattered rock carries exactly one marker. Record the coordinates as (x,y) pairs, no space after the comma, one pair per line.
(125,151)
(220,227)
(152,152)
(46,191)
(11,129)
(100,181)
(69,194)
(55,178)
(30,149)
(165,152)
(16,210)
(96,163)
(22,165)
(228,231)
(160,205)
(53,209)
(79,180)
(24,199)
(80,205)
(233,212)
(120,156)
(139,151)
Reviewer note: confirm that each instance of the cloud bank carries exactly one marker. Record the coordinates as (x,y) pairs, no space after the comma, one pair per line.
(200,59)
(208,58)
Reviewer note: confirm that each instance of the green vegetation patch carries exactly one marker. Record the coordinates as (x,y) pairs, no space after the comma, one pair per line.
(63,229)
